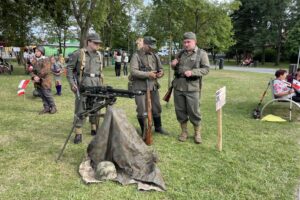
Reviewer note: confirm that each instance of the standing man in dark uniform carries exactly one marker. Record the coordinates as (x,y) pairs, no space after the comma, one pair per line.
(189,65)
(145,65)
(84,68)
(41,76)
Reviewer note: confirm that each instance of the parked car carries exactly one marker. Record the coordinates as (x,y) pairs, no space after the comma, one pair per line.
(163,52)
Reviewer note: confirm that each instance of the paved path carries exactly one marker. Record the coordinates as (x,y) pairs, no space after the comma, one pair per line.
(251,69)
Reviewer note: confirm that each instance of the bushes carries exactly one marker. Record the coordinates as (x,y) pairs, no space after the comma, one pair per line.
(270,55)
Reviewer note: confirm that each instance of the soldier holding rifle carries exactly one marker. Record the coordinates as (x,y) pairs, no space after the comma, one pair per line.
(189,65)
(146,69)
(84,68)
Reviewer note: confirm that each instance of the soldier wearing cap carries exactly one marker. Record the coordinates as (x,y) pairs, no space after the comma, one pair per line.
(189,65)
(145,65)
(84,68)
(41,76)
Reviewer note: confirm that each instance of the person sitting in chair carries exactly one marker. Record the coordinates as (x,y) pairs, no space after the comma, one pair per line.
(296,87)
(281,86)
(247,61)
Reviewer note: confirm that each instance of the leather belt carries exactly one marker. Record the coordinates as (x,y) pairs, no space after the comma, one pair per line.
(91,75)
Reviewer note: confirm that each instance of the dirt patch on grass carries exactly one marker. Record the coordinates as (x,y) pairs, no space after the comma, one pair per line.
(5,140)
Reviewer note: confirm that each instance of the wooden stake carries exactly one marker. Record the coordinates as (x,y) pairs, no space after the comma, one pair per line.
(219,145)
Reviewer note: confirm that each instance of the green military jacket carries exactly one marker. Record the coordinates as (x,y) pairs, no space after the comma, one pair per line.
(92,68)
(189,62)
(42,69)
(138,75)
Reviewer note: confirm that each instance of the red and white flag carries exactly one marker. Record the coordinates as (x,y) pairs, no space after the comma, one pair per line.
(21,92)
(23,84)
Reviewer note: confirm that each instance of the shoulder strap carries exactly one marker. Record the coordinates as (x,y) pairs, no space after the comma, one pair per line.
(180,53)
(157,64)
(82,63)
(198,58)
(100,57)
(141,64)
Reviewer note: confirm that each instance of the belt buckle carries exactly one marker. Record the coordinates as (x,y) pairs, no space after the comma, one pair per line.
(92,75)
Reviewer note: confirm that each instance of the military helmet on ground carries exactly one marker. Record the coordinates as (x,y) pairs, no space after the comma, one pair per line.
(106,170)
(41,49)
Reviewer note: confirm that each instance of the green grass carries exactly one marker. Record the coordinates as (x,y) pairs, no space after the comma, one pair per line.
(260,160)
(283,65)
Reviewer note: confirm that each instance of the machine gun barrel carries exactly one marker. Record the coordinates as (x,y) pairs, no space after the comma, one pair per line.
(109,91)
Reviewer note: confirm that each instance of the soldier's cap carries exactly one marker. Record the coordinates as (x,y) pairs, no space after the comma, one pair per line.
(41,49)
(189,35)
(94,37)
(150,41)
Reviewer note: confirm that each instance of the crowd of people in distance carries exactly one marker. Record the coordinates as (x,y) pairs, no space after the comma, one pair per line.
(121,58)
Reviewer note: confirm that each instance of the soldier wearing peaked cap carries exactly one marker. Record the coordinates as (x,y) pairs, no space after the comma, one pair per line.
(189,65)
(84,68)
(146,65)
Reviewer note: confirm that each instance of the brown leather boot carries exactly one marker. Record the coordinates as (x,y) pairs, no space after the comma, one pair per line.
(44,111)
(53,110)
(197,137)
(184,134)
(78,136)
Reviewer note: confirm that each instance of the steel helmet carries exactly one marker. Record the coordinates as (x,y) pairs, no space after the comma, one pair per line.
(41,49)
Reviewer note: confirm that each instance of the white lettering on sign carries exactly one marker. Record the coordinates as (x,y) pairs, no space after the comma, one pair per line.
(220,98)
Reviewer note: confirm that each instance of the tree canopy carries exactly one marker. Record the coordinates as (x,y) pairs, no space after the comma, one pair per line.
(237,27)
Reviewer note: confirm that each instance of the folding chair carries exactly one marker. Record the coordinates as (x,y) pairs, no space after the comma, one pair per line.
(280,100)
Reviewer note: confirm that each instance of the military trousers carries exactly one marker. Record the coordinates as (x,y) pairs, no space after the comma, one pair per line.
(187,107)
(81,107)
(47,98)
(141,109)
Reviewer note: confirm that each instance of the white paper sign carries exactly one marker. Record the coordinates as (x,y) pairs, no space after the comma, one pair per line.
(220,98)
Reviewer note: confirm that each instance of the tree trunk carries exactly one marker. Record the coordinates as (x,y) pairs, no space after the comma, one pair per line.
(278,49)
(263,55)
(83,35)
(83,22)
(59,43)
(237,57)
(65,38)
(196,20)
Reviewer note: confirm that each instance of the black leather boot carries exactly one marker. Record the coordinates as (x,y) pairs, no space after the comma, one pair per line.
(53,110)
(78,136)
(78,139)
(142,125)
(158,126)
(44,111)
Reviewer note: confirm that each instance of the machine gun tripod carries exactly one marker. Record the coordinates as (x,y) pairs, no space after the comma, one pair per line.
(97,97)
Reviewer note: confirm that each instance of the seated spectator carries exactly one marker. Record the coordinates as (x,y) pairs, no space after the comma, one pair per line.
(281,86)
(296,87)
(247,61)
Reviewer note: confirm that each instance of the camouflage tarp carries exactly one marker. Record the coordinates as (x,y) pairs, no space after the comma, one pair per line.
(117,141)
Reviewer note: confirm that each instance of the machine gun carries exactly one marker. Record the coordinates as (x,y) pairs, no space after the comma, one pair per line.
(97,97)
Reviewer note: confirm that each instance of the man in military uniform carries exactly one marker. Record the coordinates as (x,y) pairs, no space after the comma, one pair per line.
(84,68)
(41,76)
(189,65)
(146,67)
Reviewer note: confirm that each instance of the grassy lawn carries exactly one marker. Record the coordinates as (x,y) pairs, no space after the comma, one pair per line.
(260,160)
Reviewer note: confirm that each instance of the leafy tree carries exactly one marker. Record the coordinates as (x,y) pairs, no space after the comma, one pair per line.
(83,11)
(15,19)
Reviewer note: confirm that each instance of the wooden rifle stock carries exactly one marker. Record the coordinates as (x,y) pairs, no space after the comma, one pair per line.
(148,138)
(168,94)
